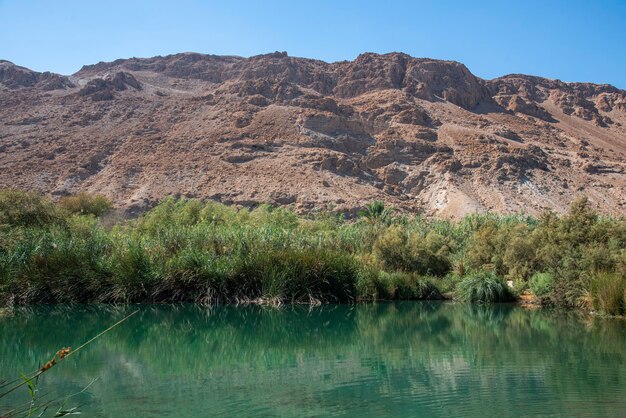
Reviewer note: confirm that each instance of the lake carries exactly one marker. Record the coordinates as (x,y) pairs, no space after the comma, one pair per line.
(389,359)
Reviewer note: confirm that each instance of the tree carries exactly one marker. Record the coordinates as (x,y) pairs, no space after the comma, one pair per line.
(376,212)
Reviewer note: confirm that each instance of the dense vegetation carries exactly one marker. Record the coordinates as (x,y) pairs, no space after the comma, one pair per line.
(188,250)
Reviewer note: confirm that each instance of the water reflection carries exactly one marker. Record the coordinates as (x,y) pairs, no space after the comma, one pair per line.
(401,359)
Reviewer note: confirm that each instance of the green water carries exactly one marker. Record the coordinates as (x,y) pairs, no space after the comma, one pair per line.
(404,359)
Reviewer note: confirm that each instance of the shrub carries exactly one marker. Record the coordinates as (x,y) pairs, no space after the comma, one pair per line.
(28,209)
(301,275)
(412,253)
(449,282)
(392,249)
(194,275)
(410,287)
(131,270)
(368,284)
(430,254)
(608,291)
(484,287)
(58,265)
(86,204)
(541,284)
(273,216)
(374,285)
(486,247)
(519,258)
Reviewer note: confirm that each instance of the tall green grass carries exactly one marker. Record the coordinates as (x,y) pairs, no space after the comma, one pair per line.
(484,287)
(541,284)
(609,293)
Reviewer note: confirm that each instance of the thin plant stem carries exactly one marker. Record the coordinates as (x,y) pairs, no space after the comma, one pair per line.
(42,370)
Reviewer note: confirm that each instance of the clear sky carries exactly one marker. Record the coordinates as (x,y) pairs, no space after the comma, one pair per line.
(570,40)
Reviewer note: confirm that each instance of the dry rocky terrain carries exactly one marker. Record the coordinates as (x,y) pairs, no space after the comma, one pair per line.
(421,134)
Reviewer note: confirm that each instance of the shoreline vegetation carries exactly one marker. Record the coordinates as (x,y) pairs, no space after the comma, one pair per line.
(71,251)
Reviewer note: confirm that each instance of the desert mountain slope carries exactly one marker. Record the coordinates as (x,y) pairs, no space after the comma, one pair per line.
(421,134)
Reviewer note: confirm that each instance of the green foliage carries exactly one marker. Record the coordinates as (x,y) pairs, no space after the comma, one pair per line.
(86,204)
(575,246)
(302,275)
(448,283)
(374,285)
(484,287)
(376,212)
(398,250)
(541,284)
(195,251)
(409,286)
(608,291)
(57,264)
(21,208)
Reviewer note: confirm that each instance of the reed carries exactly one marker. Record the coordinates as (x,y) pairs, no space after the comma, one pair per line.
(608,291)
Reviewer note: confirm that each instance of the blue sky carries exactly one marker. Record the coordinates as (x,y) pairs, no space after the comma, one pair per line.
(569,40)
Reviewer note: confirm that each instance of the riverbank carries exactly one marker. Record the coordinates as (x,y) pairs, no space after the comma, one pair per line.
(205,252)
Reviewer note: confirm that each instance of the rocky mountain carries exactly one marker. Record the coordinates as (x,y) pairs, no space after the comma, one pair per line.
(421,134)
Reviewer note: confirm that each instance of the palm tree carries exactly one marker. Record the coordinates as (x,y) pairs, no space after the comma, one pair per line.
(377,212)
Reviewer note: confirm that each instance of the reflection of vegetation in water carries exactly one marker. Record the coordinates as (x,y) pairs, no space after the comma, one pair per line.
(36,404)
(387,356)
(192,251)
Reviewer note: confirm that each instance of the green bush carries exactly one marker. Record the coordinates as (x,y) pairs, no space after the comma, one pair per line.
(27,209)
(608,291)
(59,264)
(132,275)
(519,259)
(485,249)
(392,249)
(302,275)
(397,250)
(372,285)
(86,204)
(541,284)
(448,283)
(404,286)
(483,287)
(368,285)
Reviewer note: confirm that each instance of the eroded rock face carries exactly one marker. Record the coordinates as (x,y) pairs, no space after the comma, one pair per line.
(524,94)
(421,134)
(104,88)
(14,77)
(518,104)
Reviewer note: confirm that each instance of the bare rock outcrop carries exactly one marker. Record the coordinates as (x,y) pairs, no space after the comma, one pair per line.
(14,77)
(104,88)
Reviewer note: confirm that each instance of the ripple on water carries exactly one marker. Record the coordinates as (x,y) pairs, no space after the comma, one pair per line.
(403,359)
